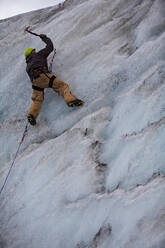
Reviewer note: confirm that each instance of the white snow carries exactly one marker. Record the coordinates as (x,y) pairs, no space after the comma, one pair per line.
(94,176)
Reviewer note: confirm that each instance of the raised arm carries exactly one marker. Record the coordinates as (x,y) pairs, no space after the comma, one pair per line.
(49,46)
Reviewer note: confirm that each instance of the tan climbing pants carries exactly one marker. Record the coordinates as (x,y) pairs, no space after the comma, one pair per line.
(38,96)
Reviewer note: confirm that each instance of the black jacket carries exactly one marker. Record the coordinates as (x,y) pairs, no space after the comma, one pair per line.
(37,62)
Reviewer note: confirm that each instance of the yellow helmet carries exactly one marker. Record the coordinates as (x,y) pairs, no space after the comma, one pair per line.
(28,51)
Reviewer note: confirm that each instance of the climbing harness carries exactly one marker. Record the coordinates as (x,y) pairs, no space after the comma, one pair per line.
(24,134)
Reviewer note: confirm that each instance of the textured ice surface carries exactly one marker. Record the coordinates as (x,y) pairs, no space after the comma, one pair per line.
(94,176)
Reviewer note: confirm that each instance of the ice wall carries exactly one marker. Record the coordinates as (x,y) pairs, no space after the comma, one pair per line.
(94,176)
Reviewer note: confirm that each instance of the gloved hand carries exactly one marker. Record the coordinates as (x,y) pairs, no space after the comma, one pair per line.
(42,36)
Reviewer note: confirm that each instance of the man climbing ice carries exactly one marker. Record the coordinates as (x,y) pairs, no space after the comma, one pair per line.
(37,69)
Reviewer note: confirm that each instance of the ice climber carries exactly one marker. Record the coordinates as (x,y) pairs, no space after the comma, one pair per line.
(37,69)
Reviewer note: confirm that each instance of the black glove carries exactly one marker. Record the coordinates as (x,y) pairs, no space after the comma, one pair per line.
(43,36)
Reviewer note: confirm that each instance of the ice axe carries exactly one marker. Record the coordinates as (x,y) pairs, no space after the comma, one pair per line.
(52,60)
(27,29)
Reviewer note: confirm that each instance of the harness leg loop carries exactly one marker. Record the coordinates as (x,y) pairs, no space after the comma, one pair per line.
(51,81)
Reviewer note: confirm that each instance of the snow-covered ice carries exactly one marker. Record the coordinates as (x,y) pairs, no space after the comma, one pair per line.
(94,176)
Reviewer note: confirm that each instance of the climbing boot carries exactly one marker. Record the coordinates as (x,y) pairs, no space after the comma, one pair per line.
(31,120)
(75,103)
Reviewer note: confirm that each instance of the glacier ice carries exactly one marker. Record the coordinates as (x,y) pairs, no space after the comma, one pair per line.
(89,177)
